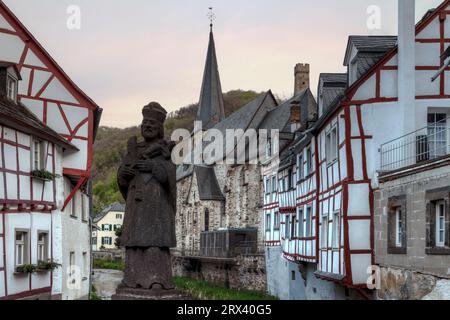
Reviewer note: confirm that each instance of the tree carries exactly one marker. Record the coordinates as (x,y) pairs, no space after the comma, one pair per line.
(118,235)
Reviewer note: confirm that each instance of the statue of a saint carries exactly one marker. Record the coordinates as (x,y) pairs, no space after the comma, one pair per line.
(147,180)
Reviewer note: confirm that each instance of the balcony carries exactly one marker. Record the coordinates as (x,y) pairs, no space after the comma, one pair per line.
(422,147)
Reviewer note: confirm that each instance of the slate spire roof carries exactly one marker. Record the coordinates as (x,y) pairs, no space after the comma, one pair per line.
(211,110)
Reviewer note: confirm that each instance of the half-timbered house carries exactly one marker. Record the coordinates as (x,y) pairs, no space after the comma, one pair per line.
(47,131)
(394,86)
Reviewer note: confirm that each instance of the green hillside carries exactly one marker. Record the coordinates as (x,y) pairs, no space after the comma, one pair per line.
(110,145)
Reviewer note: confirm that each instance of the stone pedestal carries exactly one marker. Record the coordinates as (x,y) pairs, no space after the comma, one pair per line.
(124,293)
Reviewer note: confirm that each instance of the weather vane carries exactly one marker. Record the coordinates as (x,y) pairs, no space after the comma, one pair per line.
(211,16)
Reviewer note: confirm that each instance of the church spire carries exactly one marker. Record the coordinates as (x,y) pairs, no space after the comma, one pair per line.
(211,109)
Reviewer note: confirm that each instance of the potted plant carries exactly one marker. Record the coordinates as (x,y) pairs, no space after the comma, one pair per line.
(47,265)
(26,269)
(44,175)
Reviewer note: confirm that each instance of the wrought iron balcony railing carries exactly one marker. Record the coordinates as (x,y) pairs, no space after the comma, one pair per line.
(424,145)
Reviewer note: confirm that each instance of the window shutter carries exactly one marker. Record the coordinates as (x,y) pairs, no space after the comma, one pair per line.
(404,224)
(431,226)
(391,225)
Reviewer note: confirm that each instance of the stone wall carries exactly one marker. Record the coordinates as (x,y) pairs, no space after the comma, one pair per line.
(293,281)
(414,187)
(244,272)
(404,284)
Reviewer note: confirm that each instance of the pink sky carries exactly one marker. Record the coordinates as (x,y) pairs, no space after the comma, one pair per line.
(128,53)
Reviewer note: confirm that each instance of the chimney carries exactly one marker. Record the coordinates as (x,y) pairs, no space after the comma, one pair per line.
(301,77)
(406,63)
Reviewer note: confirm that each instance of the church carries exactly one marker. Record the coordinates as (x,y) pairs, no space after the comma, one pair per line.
(219,207)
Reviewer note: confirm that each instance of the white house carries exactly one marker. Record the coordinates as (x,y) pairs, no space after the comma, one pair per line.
(107,222)
(47,135)
(326,189)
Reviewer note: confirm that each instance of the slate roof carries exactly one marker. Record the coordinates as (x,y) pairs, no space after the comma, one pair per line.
(115,207)
(17,116)
(249,116)
(208,187)
(331,85)
(211,110)
(374,44)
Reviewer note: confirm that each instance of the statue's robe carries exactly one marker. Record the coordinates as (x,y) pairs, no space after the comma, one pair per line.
(149,223)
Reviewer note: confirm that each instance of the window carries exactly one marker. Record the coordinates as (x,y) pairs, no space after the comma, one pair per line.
(268,149)
(85,265)
(336,229)
(21,248)
(206,219)
(309,161)
(38,162)
(274,184)
(276,224)
(117,227)
(331,144)
(267,186)
(287,227)
(71,263)
(308,222)
(119,216)
(268,221)
(42,245)
(440,224)
(289,179)
(106,227)
(437,134)
(294,226)
(73,207)
(325,232)
(83,207)
(11,85)
(301,219)
(106,241)
(300,168)
(397,225)
(293,275)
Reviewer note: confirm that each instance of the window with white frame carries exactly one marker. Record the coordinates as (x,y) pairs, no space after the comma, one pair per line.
(268,149)
(336,229)
(308,222)
(106,227)
(300,227)
(437,134)
(300,168)
(274,184)
(267,187)
(276,223)
(117,227)
(440,223)
(119,216)
(287,227)
(11,88)
(324,231)
(331,144)
(21,248)
(42,246)
(37,154)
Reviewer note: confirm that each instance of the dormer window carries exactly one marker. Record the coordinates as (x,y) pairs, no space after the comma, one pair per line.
(9,80)
(38,155)
(11,88)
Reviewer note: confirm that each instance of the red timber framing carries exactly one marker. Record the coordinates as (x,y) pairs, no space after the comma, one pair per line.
(346,103)
(48,65)
(35,202)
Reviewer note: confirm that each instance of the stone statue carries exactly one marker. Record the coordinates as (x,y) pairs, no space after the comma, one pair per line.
(147,180)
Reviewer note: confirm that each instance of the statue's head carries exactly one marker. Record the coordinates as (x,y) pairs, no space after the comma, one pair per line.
(153,122)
